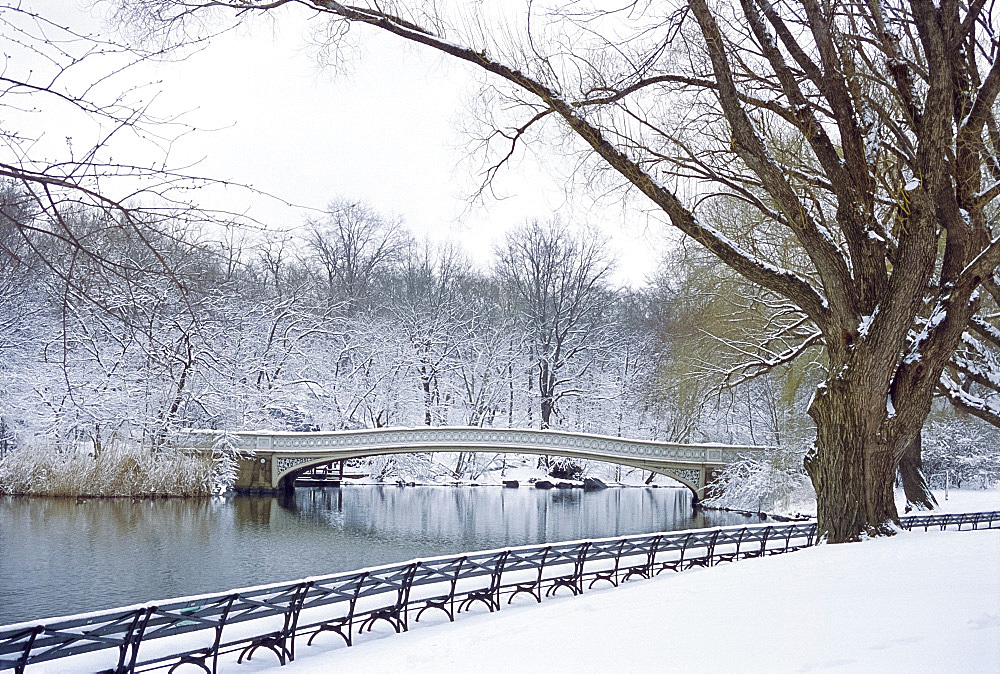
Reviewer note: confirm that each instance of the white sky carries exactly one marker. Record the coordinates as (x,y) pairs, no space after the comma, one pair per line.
(386,132)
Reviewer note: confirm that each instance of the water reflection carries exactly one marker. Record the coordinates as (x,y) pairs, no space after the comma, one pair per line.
(61,556)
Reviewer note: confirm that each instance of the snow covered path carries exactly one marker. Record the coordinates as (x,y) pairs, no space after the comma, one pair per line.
(916,602)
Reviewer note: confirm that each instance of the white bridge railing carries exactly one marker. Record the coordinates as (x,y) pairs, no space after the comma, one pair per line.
(460,438)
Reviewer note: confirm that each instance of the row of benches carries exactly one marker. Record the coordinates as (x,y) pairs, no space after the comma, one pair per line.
(983,520)
(348,604)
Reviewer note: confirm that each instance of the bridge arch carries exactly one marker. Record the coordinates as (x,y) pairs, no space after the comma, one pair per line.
(291,467)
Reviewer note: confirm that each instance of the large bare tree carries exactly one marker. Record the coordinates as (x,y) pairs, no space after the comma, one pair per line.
(351,243)
(863,133)
(558,281)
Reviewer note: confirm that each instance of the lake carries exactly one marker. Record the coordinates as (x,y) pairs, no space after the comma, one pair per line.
(60,556)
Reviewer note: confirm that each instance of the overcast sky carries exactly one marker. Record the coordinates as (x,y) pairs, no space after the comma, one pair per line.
(386,131)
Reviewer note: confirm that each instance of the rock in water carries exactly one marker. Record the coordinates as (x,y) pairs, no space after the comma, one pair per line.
(593,484)
(543,484)
(513,484)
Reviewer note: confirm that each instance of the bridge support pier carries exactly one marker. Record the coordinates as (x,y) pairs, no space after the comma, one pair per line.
(254,476)
(712,473)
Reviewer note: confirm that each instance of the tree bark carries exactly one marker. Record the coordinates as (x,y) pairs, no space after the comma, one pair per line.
(911,474)
(545,392)
(546,409)
(851,466)
(425,387)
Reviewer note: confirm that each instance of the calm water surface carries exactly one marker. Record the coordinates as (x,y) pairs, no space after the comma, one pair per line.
(61,556)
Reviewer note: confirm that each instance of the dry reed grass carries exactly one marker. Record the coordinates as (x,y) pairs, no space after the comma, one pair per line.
(115,471)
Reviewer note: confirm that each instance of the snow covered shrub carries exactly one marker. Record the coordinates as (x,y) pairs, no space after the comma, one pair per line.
(226,455)
(566,469)
(118,470)
(416,467)
(768,481)
(963,452)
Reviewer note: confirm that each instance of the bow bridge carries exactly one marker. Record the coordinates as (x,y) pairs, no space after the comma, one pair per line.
(275,457)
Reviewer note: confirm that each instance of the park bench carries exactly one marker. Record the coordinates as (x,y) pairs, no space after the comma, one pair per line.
(129,642)
(121,629)
(648,545)
(444,602)
(669,543)
(535,558)
(574,580)
(211,614)
(729,538)
(612,549)
(489,595)
(27,640)
(348,588)
(703,540)
(281,642)
(396,613)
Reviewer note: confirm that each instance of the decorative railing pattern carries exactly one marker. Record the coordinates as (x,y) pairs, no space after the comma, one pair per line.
(270,617)
(456,437)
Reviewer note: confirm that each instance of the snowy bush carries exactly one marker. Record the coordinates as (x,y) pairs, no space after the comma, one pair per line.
(566,469)
(226,455)
(771,481)
(417,467)
(962,452)
(118,470)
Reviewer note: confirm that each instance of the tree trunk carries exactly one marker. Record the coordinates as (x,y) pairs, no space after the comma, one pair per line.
(851,465)
(425,386)
(531,409)
(168,418)
(510,393)
(5,441)
(545,392)
(546,408)
(911,474)
(98,442)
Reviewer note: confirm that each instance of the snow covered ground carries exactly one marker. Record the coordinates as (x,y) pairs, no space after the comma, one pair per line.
(958,501)
(917,602)
(954,501)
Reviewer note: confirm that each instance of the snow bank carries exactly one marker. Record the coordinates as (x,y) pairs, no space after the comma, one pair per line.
(957,501)
(915,602)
